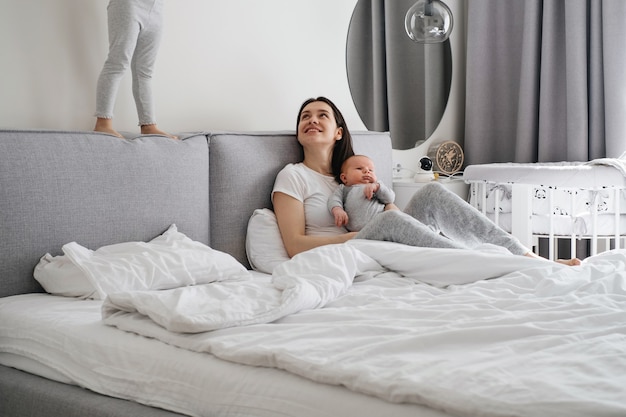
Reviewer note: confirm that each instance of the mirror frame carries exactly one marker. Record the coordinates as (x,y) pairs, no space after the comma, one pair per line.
(406,93)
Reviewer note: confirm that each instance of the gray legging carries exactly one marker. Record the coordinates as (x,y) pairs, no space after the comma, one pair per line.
(435,217)
(134,36)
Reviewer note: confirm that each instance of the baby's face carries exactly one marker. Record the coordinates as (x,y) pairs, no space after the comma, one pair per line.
(358,170)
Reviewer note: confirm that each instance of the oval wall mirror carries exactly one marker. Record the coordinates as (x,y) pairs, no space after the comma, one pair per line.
(397,85)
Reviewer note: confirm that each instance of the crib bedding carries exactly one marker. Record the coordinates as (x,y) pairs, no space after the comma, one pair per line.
(490,334)
(566,226)
(566,215)
(565,200)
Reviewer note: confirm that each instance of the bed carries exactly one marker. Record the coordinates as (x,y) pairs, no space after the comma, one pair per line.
(365,328)
(557,201)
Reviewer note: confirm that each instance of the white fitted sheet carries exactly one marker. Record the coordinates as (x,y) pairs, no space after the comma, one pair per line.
(64,339)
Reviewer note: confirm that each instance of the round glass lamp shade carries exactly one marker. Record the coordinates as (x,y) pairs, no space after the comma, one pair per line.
(428,21)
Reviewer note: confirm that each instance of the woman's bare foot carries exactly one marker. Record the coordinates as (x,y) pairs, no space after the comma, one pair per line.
(569,262)
(106,126)
(154,130)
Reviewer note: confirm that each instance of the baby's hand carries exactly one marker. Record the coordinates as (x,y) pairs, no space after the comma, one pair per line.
(341,217)
(370,189)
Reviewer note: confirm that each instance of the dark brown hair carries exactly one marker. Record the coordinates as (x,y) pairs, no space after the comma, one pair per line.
(343,148)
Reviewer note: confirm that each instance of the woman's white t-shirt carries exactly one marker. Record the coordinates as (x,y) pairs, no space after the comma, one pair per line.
(313,190)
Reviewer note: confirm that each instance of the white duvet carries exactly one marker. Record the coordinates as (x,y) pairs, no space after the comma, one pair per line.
(473,333)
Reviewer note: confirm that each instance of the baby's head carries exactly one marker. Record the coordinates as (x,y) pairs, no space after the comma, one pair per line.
(357,169)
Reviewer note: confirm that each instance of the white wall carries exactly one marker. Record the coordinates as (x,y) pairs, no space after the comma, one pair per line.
(236,64)
(223,64)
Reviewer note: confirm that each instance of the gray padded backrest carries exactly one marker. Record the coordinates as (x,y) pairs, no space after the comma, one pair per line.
(243,167)
(57,187)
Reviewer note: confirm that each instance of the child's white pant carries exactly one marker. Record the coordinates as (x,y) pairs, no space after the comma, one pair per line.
(135,28)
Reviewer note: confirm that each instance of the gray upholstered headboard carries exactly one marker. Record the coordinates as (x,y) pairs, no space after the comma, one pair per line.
(57,187)
(243,167)
(95,189)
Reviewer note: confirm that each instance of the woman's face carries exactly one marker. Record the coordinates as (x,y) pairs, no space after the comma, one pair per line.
(317,124)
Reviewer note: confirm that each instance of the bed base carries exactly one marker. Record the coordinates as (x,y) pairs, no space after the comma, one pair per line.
(27,395)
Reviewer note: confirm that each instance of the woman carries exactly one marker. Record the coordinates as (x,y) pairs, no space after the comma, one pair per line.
(301,193)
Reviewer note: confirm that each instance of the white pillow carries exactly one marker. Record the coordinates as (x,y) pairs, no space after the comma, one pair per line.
(59,276)
(264,245)
(170,260)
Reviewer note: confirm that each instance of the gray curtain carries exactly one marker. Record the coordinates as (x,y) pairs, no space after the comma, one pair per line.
(545,80)
(396,84)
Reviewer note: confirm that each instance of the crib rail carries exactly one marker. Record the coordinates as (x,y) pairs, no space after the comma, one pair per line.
(527,223)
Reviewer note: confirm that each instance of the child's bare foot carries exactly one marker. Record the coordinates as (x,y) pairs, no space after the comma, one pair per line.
(154,130)
(106,126)
(109,131)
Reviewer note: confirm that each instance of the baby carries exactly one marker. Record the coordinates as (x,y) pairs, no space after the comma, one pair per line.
(355,202)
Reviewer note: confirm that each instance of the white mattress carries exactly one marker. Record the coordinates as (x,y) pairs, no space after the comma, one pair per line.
(64,339)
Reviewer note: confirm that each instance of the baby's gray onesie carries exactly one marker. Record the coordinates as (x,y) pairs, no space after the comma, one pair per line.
(360,210)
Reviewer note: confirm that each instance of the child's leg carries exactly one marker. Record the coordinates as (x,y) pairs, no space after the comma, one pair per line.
(395,226)
(142,66)
(123,31)
(436,206)
(144,59)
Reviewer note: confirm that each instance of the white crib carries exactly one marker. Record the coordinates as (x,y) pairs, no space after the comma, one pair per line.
(554,201)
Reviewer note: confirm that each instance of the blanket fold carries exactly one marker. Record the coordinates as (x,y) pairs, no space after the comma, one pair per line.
(308,281)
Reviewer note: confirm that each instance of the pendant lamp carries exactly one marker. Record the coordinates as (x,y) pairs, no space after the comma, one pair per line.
(428,21)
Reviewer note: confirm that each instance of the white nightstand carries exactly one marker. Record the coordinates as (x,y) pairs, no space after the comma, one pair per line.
(405,188)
